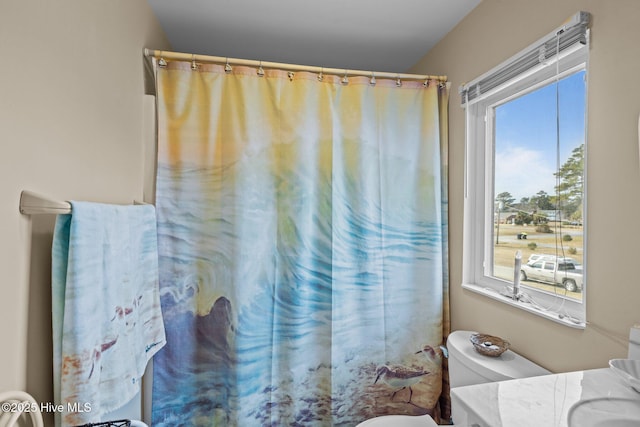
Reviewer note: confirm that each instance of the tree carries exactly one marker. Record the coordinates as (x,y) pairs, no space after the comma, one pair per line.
(525,204)
(542,201)
(523,218)
(505,198)
(570,186)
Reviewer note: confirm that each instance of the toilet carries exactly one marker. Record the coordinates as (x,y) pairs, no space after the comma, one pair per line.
(468,367)
(399,421)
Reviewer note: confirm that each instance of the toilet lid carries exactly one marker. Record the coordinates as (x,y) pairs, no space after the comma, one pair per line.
(509,365)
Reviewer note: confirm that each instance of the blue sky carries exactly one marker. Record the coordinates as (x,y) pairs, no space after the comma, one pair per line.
(525,138)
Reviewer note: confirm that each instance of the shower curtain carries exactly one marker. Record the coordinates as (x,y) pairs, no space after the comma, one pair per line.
(303,248)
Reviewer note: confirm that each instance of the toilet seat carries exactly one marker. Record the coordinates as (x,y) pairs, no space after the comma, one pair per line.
(399,421)
(28,408)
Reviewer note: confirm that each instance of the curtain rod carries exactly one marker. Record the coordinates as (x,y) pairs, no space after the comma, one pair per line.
(188,57)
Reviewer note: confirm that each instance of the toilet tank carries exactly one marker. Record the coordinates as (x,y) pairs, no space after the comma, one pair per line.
(634,342)
(468,367)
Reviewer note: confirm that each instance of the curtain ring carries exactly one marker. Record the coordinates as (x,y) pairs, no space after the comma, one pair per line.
(161,62)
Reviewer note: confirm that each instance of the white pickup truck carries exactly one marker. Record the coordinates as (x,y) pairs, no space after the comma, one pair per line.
(555,271)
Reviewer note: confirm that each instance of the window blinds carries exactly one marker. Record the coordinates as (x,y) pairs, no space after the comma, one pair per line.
(573,33)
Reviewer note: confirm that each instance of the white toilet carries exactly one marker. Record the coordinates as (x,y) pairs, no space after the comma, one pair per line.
(468,367)
(399,421)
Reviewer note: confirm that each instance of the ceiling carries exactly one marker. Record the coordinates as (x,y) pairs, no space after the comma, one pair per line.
(368,35)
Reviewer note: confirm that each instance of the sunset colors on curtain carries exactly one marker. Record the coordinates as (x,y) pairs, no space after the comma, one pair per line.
(303,247)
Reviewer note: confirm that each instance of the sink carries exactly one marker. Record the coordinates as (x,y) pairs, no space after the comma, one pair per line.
(628,370)
(605,412)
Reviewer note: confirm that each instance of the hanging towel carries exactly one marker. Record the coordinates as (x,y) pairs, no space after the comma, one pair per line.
(107,321)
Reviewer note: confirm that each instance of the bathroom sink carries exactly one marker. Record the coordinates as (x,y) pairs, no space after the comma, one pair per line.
(628,370)
(605,412)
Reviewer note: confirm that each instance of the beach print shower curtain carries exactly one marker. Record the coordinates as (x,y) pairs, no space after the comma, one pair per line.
(303,248)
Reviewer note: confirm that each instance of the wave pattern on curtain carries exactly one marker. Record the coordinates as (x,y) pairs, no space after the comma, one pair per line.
(303,249)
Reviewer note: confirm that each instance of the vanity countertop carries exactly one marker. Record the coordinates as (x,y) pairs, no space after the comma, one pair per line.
(534,402)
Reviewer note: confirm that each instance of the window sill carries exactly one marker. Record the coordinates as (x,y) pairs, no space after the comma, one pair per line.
(550,315)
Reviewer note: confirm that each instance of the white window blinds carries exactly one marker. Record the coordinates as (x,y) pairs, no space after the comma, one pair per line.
(571,35)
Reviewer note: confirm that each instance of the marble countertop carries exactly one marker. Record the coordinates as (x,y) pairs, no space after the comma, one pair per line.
(534,402)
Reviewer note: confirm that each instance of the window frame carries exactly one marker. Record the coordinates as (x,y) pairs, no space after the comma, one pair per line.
(478,193)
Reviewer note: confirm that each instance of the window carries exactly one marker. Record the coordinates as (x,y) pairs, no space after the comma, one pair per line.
(525,177)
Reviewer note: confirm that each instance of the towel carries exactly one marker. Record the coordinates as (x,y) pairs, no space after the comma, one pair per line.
(107,321)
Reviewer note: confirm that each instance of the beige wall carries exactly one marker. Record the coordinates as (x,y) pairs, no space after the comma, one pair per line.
(71,105)
(71,108)
(490,34)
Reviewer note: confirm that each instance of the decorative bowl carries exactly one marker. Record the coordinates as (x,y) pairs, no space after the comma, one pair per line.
(628,370)
(489,345)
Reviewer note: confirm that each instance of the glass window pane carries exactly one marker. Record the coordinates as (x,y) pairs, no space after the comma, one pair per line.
(538,184)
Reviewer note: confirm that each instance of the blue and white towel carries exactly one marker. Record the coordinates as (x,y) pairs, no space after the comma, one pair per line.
(107,321)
